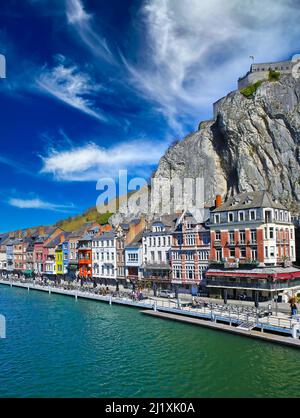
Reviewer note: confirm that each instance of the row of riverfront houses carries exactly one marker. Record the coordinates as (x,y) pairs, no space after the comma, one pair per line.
(246,247)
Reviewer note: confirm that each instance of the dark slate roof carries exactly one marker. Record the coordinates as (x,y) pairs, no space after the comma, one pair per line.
(80,231)
(249,200)
(3,238)
(105,236)
(135,221)
(168,221)
(55,241)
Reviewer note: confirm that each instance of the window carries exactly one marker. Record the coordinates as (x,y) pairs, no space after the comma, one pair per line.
(176,255)
(190,272)
(232,253)
(272,252)
(159,256)
(253,237)
(241,216)
(189,256)
(266,252)
(191,239)
(230,217)
(231,237)
(132,257)
(271,233)
(254,255)
(218,236)
(177,272)
(218,255)
(217,219)
(252,215)
(242,236)
(243,252)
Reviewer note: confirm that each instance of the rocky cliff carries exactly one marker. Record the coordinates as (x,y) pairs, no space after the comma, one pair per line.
(253,144)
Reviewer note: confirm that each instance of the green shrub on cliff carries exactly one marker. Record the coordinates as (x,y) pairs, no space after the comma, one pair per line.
(274,75)
(251,89)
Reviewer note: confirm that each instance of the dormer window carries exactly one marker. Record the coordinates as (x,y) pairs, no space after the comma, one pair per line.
(217,219)
(241,216)
(248,201)
(252,215)
(230,217)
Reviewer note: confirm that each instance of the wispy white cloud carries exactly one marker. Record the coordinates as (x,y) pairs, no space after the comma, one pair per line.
(195,50)
(37,203)
(82,22)
(16,166)
(90,162)
(68,84)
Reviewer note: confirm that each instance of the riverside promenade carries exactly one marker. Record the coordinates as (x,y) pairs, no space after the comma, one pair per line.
(241,321)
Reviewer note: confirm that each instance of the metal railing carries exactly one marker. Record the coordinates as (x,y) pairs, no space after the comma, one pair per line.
(232,314)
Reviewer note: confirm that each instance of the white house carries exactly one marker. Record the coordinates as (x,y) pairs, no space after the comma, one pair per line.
(104,256)
(157,242)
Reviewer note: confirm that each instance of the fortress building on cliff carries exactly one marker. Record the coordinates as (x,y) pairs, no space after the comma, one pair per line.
(260,72)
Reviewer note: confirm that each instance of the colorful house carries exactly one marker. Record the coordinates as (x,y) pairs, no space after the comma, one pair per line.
(252,248)
(85,256)
(190,253)
(104,257)
(59,260)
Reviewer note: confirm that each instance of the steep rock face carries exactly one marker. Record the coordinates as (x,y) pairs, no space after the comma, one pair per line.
(254,144)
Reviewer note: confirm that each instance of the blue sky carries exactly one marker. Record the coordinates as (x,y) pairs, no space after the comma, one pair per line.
(94,86)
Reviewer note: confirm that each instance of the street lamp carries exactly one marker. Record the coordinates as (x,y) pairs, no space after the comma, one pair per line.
(276,295)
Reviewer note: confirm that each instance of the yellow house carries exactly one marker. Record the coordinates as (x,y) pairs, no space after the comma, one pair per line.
(59,264)
(58,260)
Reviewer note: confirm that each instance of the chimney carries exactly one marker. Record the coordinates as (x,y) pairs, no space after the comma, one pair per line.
(28,232)
(218,201)
(41,230)
(62,238)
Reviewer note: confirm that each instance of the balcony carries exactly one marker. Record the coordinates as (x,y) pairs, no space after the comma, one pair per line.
(156,265)
(260,284)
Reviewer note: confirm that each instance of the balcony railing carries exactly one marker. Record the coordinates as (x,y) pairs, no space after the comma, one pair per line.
(262,285)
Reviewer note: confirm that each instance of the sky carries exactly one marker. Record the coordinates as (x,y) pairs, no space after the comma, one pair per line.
(95,86)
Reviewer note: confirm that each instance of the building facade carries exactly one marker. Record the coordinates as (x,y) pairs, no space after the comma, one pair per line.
(157,242)
(190,253)
(104,255)
(134,259)
(252,236)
